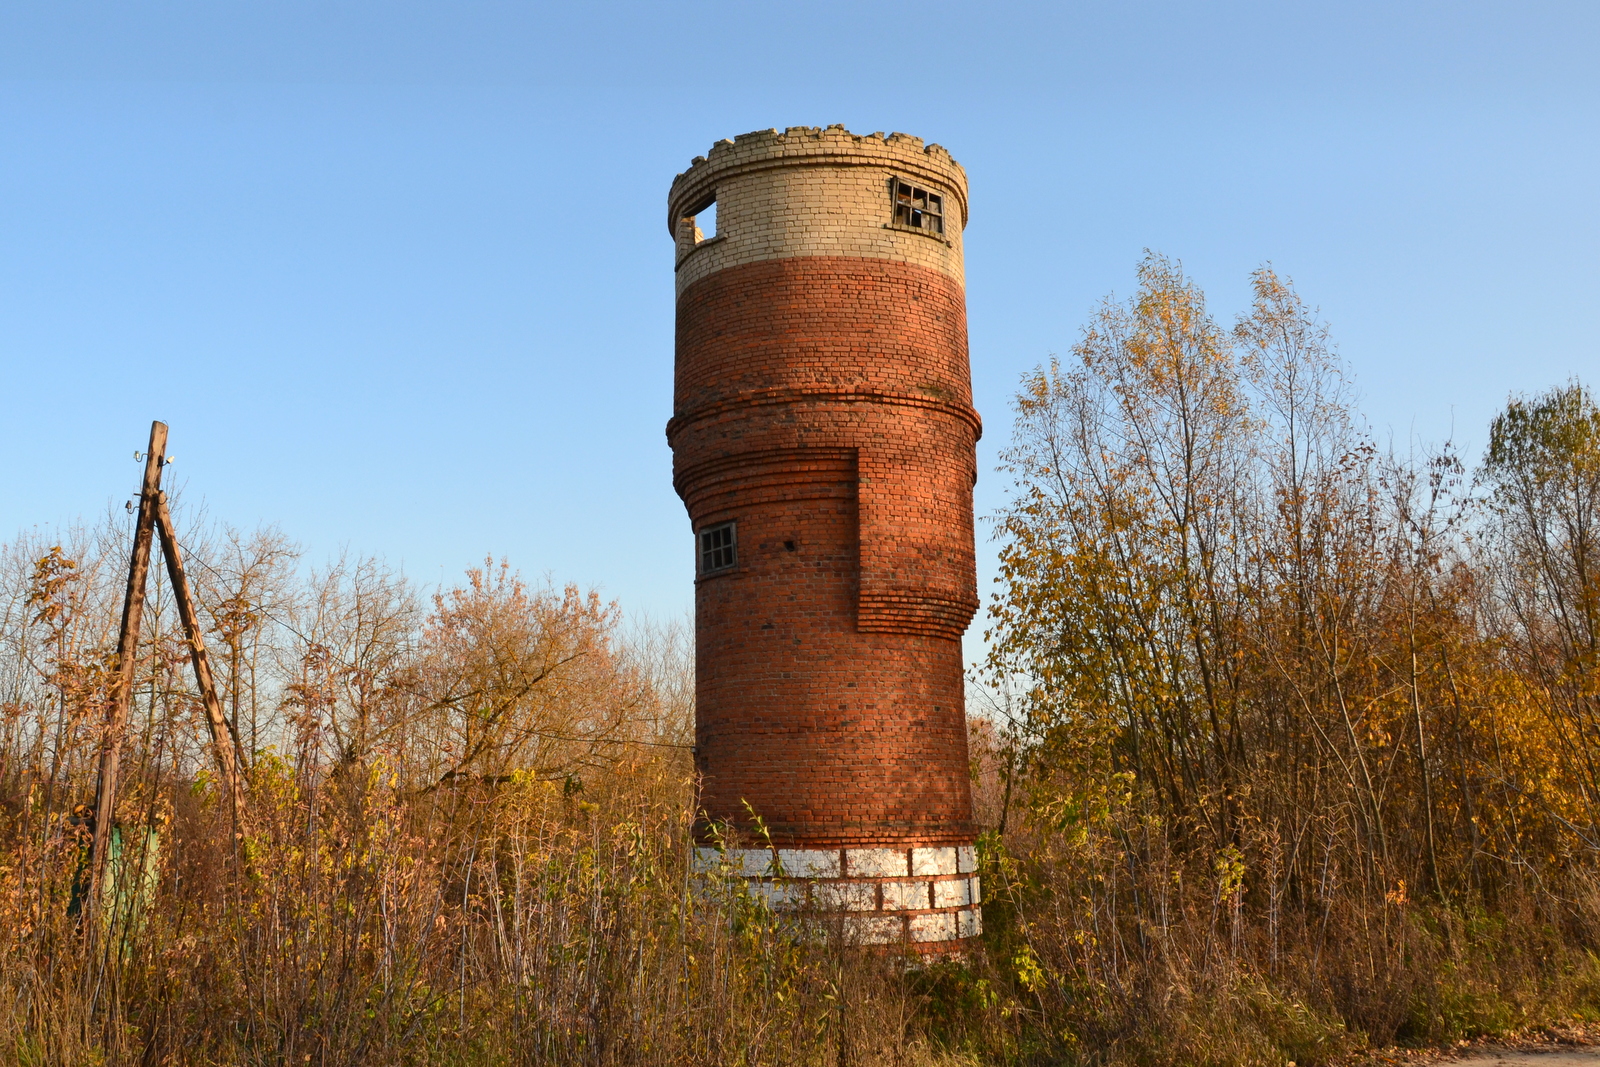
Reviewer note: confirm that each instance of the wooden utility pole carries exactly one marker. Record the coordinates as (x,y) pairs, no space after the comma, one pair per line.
(153,517)
(127,657)
(222,738)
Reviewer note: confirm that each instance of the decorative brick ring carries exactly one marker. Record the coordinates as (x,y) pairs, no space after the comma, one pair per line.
(883,895)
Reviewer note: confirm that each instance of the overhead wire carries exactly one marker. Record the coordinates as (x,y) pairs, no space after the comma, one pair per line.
(195,557)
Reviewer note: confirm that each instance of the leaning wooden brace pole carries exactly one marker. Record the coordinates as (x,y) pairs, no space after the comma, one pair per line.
(223,740)
(116,724)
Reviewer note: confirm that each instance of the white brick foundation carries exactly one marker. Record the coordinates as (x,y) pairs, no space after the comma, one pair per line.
(884,895)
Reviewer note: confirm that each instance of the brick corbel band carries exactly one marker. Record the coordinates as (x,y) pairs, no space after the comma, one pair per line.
(745,401)
(888,600)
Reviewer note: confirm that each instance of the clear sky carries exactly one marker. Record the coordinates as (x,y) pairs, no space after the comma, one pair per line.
(398,274)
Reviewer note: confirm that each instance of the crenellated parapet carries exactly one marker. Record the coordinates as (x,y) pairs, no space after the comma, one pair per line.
(815,191)
(820,145)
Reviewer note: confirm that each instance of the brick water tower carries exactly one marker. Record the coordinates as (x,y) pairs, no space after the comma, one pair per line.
(823,442)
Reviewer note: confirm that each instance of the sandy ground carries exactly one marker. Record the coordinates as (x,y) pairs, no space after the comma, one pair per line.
(1489,1055)
(1555,1057)
(1564,1045)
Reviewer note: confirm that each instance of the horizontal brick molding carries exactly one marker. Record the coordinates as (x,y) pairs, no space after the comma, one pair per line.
(823,326)
(822,422)
(723,485)
(918,896)
(813,397)
(891,597)
(914,613)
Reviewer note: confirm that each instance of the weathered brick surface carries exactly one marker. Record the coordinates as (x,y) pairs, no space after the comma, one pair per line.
(823,404)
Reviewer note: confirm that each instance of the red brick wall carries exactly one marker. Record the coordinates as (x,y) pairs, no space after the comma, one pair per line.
(824,404)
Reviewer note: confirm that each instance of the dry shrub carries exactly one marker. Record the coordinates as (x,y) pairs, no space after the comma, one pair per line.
(1302,732)
(468,843)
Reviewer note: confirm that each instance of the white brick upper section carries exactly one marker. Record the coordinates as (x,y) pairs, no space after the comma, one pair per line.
(810,191)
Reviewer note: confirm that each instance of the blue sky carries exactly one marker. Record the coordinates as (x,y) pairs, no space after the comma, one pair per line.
(398,274)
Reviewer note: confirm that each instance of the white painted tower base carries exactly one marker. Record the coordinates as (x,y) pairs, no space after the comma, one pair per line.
(882,896)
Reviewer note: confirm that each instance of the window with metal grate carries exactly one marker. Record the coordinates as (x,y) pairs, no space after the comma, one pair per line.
(918,207)
(719,550)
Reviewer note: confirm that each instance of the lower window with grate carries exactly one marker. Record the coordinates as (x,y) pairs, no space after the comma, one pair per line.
(719,548)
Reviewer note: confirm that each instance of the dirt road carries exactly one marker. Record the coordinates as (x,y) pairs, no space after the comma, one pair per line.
(1556,1057)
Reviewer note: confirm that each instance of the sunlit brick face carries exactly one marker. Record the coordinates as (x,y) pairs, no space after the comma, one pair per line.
(823,443)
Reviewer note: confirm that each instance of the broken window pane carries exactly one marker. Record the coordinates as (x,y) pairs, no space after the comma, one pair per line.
(917,207)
